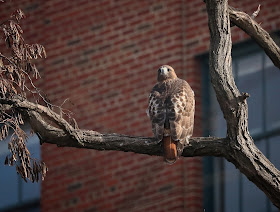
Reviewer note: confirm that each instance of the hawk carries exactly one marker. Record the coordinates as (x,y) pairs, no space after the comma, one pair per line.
(171,111)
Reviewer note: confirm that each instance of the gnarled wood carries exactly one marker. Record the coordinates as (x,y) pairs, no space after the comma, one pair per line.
(242,150)
(62,134)
(143,145)
(252,28)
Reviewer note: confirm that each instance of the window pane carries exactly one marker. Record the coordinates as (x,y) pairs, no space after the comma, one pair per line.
(232,188)
(13,189)
(234,69)
(274,146)
(238,188)
(218,126)
(31,190)
(250,80)
(253,199)
(8,179)
(272,76)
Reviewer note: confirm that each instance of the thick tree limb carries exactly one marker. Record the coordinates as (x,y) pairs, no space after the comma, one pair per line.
(143,145)
(88,139)
(242,150)
(252,28)
(257,33)
(21,103)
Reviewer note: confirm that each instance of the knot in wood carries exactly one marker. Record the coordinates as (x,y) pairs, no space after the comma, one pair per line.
(244,96)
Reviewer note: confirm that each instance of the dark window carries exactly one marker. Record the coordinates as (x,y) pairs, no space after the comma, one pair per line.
(15,193)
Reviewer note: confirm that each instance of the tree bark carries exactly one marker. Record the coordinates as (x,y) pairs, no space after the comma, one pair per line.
(52,128)
(64,135)
(257,33)
(144,145)
(242,151)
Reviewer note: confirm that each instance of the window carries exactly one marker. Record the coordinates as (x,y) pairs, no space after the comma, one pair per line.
(15,193)
(226,189)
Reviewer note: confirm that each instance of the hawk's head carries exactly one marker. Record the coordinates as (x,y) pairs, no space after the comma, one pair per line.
(166,72)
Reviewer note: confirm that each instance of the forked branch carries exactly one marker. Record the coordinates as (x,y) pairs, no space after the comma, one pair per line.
(242,151)
(257,33)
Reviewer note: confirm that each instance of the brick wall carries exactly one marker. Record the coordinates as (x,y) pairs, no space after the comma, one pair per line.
(103,57)
(114,50)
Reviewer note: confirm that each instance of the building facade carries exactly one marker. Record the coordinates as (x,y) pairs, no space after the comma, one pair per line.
(103,58)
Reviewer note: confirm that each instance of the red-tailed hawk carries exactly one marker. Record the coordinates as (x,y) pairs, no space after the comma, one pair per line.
(171,111)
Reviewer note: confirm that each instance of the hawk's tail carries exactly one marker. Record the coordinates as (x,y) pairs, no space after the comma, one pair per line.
(169,149)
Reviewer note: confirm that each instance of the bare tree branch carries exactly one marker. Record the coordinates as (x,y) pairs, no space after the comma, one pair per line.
(143,145)
(252,28)
(242,151)
(255,14)
(62,134)
(22,104)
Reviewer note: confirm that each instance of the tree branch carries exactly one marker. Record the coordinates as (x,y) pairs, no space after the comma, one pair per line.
(242,151)
(39,117)
(143,145)
(252,28)
(23,104)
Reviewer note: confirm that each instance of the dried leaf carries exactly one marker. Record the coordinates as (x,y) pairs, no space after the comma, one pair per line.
(44,51)
(24,168)
(14,89)
(14,157)
(1,63)
(24,178)
(19,28)
(4,131)
(11,161)
(8,42)
(13,27)
(32,132)
(14,73)
(44,170)
(20,119)
(17,168)
(35,167)
(6,160)
(35,70)
(37,177)
(27,152)
(19,14)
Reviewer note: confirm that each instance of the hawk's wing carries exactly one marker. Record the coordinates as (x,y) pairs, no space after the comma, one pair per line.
(180,110)
(157,111)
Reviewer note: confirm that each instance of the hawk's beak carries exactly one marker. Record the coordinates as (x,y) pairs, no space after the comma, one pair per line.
(162,71)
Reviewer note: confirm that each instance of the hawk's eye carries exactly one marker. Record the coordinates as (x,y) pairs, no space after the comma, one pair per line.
(168,69)
(159,71)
